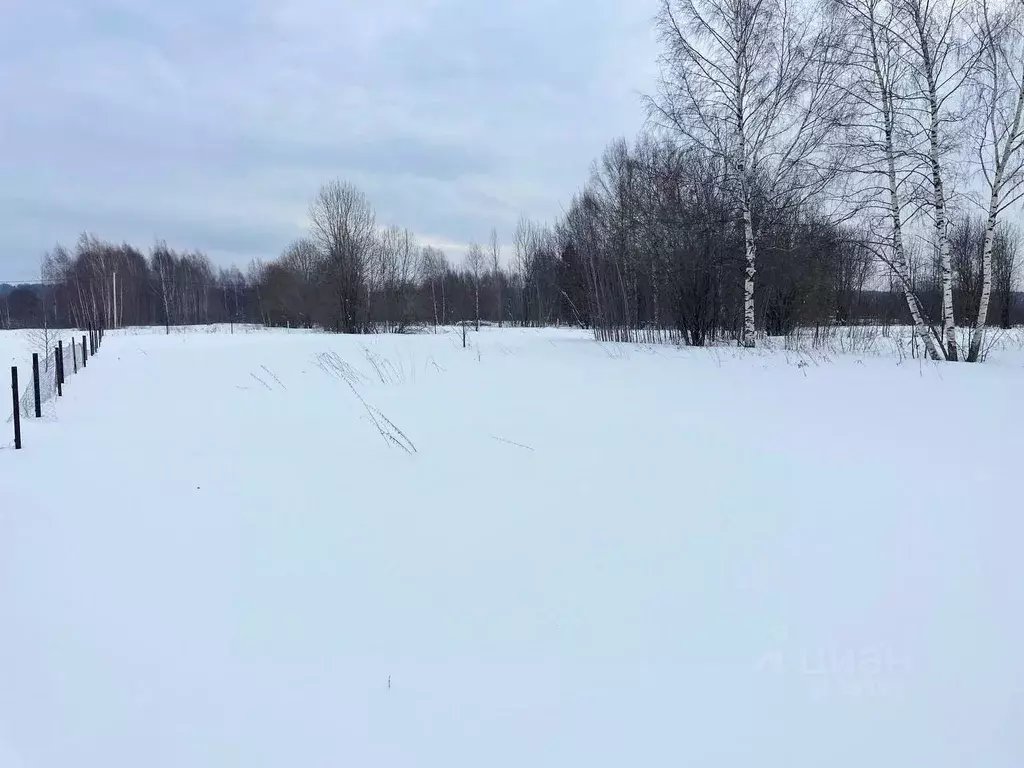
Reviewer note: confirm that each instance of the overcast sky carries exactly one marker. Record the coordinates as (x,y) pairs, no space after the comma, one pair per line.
(211,123)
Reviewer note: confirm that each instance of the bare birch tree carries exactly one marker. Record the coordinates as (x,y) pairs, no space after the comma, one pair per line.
(395,263)
(752,82)
(475,261)
(433,268)
(882,138)
(940,64)
(1000,106)
(495,255)
(523,246)
(163,265)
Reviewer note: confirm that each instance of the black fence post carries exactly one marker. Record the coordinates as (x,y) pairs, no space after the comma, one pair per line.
(35,384)
(60,347)
(74,356)
(85,352)
(17,407)
(56,372)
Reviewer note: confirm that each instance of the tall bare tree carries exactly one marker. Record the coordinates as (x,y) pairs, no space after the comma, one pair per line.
(475,261)
(524,241)
(394,264)
(1000,107)
(433,270)
(343,226)
(495,254)
(306,262)
(163,264)
(882,137)
(753,82)
(941,63)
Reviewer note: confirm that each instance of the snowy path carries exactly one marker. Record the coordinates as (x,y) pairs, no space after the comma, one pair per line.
(212,558)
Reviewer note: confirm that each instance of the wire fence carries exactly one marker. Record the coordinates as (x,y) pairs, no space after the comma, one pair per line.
(44,381)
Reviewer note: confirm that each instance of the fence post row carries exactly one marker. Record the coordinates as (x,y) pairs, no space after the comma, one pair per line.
(95,337)
(35,385)
(17,407)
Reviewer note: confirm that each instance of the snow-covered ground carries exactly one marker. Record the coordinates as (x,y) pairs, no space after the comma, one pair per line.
(15,348)
(298,549)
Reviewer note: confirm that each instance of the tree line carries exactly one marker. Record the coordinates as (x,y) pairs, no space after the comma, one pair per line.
(806,164)
(100,284)
(647,252)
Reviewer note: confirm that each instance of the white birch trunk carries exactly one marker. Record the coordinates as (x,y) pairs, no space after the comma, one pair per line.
(900,262)
(978,333)
(433,301)
(501,300)
(941,233)
(750,246)
(748,278)
(1010,144)
(899,255)
(654,291)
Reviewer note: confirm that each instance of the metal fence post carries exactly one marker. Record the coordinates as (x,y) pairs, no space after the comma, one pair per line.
(35,384)
(17,407)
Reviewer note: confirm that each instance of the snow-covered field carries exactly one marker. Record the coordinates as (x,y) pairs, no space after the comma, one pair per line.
(298,549)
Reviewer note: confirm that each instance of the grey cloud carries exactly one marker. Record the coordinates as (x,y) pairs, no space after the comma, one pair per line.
(386,155)
(213,124)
